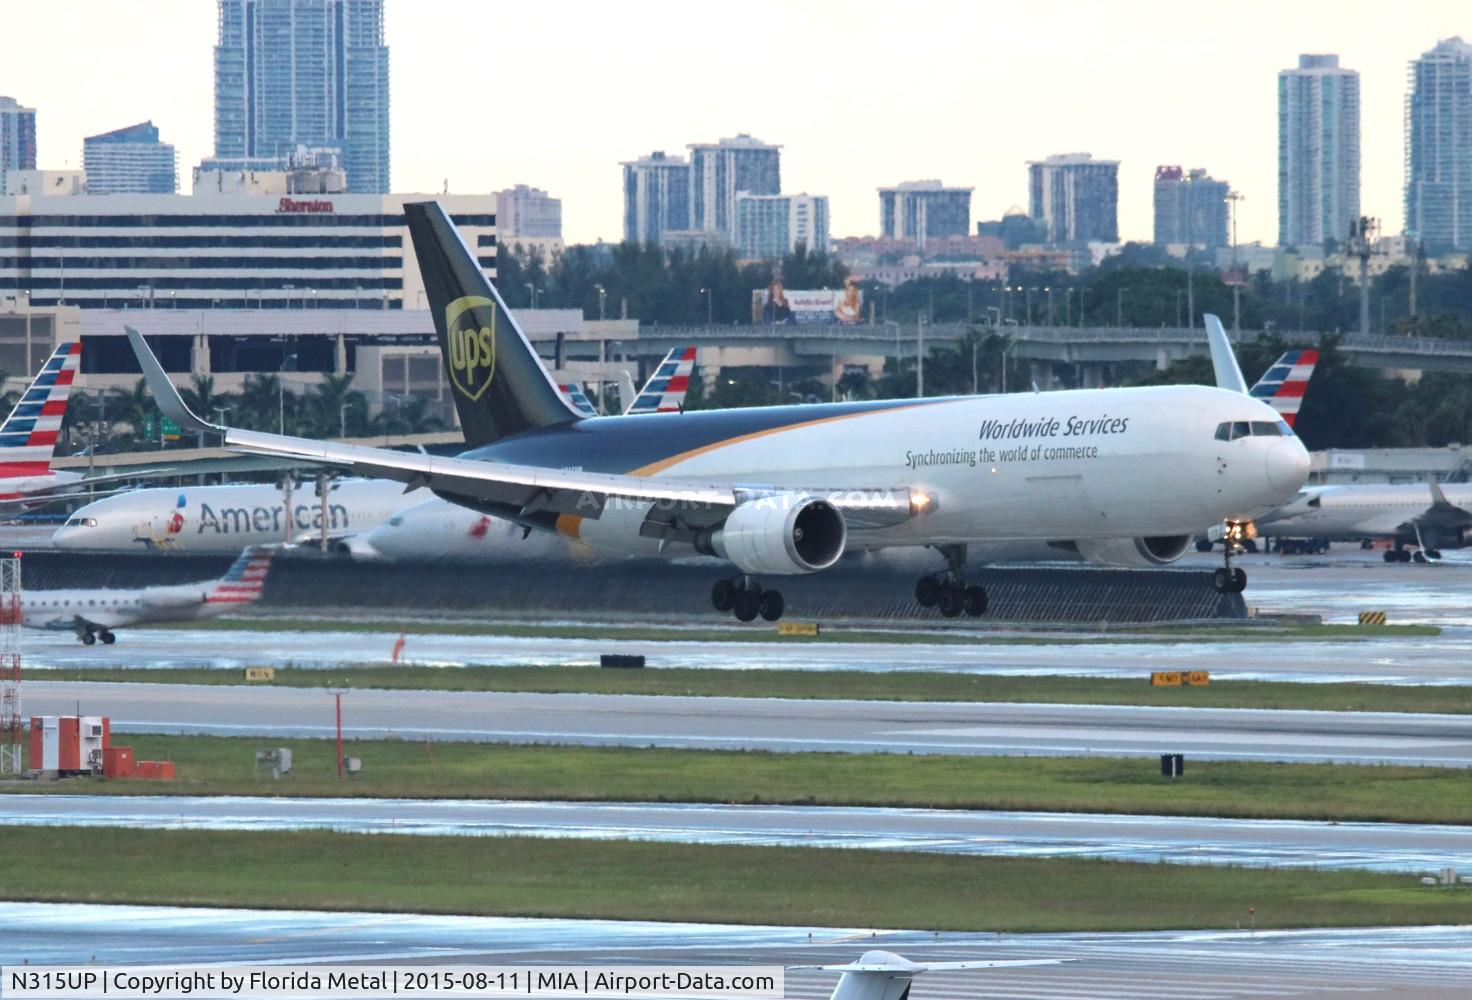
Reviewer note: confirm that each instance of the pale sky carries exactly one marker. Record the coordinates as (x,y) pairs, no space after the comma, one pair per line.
(860,94)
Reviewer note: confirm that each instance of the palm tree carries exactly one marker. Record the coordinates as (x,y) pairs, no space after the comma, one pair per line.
(133,407)
(326,409)
(259,401)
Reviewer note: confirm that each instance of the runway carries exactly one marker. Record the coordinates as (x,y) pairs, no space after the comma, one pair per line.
(1431,962)
(1388,847)
(773,724)
(1444,659)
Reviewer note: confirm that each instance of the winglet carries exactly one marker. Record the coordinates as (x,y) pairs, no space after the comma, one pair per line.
(170,403)
(1223,361)
(1437,496)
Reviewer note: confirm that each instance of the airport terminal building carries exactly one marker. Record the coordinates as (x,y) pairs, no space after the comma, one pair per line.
(222,250)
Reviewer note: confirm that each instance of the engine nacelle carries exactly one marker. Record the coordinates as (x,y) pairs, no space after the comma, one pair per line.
(1156,550)
(784,533)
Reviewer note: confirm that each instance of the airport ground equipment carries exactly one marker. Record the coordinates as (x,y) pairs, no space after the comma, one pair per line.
(63,745)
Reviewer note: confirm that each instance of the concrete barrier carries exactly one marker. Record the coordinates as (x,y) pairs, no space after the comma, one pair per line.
(859,588)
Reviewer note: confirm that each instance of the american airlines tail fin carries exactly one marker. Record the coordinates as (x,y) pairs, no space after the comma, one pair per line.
(28,436)
(665,391)
(498,382)
(1282,386)
(244,581)
(575,395)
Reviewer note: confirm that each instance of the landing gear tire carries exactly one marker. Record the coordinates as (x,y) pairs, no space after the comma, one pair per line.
(1433,553)
(974,601)
(1221,580)
(1392,556)
(1239,580)
(87,638)
(1418,556)
(107,638)
(927,591)
(747,605)
(771,605)
(951,601)
(723,595)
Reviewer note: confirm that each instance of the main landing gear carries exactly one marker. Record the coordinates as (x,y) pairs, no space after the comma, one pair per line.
(1229,579)
(89,634)
(947,591)
(745,598)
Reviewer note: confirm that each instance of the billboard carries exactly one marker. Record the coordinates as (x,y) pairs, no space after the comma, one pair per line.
(776,305)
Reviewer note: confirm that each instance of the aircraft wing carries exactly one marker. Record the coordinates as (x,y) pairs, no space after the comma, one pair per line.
(919,967)
(1442,515)
(530,489)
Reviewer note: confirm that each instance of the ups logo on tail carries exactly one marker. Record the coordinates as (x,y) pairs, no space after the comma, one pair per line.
(470,329)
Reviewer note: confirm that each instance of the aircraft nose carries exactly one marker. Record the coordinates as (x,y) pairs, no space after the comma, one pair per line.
(65,537)
(1287,465)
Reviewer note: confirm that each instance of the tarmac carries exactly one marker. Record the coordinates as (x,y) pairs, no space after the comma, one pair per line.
(1434,963)
(770,723)
(1386,847)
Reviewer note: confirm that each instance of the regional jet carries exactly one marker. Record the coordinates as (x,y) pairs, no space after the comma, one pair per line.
(1431,516)
(783,490)
(93,614)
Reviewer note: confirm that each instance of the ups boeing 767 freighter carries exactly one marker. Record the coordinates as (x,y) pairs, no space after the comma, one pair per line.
(1127,475)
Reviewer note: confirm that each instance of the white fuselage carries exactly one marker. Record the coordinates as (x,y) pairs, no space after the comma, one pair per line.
(223,519)
(1085,464)
(438,530)
(61,610)
(1355,511)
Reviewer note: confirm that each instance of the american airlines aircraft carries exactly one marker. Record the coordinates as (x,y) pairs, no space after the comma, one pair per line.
(783,490)
(220,519)
(1430,516)
(93,614)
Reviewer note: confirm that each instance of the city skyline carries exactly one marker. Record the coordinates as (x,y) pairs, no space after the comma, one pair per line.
(1136,82)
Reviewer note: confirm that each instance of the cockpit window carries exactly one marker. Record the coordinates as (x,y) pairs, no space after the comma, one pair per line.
(1235,429)
(81,522)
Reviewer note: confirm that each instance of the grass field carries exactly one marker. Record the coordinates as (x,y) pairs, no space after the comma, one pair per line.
(626,880)
(852,684)
(926,632)
(395,769)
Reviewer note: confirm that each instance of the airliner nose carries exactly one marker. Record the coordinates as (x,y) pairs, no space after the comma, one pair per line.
(1287,465)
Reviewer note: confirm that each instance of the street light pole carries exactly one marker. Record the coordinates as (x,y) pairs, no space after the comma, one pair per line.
(281,393)
(1119,308)
(920,357)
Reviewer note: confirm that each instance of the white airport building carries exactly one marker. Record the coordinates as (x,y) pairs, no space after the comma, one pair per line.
(223,251)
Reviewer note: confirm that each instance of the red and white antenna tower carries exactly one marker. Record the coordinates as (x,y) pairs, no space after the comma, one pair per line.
(12,726)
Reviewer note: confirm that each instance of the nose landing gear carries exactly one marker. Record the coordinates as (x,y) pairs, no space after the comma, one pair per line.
(947,591)
(746,599)
(1229,579)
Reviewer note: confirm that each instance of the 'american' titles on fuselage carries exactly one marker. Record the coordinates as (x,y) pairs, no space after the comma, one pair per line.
(225,518)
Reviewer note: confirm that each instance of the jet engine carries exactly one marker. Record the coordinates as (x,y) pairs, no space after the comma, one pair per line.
(1156,550)
(783,534)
